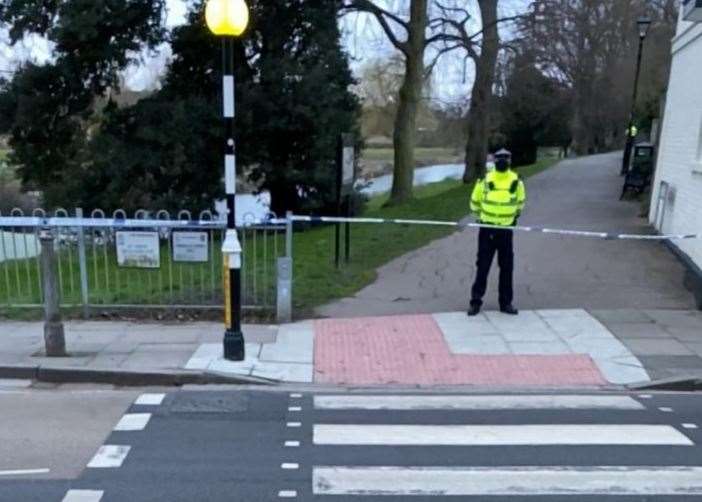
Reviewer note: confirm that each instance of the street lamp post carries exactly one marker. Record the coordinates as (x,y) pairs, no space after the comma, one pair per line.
(228,19)
(644,23)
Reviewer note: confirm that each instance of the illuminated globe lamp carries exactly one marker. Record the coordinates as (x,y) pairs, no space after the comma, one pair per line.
(228,19)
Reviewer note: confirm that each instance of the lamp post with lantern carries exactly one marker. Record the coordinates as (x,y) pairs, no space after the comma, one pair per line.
(644,23)
(228,19)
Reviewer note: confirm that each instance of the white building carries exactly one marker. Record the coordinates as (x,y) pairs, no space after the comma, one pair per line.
(676,204)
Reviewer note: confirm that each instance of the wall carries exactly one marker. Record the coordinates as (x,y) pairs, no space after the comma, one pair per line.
(680,156)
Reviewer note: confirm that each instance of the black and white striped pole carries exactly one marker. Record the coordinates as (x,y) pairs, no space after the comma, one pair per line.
(228,19)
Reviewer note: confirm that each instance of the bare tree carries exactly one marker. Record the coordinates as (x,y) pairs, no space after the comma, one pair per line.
(591,46)
(408,34)
(483,46)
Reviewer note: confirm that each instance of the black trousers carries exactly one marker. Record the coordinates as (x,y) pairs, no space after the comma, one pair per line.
(491,241)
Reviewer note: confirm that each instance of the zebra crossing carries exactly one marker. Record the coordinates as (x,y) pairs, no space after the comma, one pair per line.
(573,446)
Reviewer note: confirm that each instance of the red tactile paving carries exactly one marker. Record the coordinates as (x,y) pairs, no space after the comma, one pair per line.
(411,350)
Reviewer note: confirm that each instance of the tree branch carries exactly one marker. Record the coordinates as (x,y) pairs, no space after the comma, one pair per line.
(382,17)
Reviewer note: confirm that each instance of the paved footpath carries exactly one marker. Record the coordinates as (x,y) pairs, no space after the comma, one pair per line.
(345,447)
(551,272)
(546,348)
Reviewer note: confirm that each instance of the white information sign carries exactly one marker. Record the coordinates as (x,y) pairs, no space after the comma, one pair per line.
(190,247)
(138,249)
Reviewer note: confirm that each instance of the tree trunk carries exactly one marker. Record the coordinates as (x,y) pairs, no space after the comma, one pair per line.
(404,135)
(479,113)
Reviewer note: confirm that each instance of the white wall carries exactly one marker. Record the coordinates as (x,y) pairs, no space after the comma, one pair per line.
(680,156)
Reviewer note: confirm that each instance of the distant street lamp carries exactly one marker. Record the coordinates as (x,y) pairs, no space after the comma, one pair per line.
(229,19)
(644,23)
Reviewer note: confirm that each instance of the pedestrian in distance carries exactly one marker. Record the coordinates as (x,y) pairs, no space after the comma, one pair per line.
(497,200)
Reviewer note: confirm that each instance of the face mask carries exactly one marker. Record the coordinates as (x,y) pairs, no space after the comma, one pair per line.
(501,165)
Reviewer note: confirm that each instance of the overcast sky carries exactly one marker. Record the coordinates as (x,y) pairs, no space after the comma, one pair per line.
(363,39)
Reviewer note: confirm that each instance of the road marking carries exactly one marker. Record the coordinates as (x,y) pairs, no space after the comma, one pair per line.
(23,472)
(290,466)
(295,408)
(521,481)
(287,494)
(665,409)
(294,424)
(83,496)
(133,422)
(109,456)
(150,399)
(292,444)
(689,426)
(645,396)
(295,396)
(475,402)
(467,435)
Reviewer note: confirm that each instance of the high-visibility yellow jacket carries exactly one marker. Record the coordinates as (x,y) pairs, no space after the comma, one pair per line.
(499,198)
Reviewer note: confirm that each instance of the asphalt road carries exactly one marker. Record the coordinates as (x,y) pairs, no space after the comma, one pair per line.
(251,445)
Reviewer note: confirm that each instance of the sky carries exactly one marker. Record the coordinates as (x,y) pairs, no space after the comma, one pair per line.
(363,39)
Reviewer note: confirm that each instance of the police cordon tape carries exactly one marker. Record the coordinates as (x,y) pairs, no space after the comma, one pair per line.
(116,223)
(518,228)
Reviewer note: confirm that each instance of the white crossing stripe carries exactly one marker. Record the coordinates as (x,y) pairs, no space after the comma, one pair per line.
(292,444)
(294,424)
(689,426)
(295,408)
(133,422)
(83,496)
(287,494)
(109,456)
(486,435)
(522,481)
(150,399)
(24,472)
(522,402)
(290,466)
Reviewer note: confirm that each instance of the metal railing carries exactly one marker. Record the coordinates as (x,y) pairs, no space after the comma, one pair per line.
(89,275)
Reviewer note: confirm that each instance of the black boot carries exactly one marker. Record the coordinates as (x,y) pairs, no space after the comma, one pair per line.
(474,310)
(509,309)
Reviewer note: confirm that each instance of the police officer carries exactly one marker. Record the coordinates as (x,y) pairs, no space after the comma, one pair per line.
(498,199)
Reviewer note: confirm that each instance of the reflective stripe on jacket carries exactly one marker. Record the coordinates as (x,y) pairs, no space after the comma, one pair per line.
(498,198)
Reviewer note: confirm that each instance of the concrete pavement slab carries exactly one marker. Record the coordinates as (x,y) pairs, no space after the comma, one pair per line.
(660,346)
(685,334)
(598,348)
(638,330)
(164,359)
(677,318)
(294,344)
(622,316)
(622,373)
(467,343)
(167,347)
(109,360)
(695,347)
(285,372)
(532,348)
(558,313)
(529,334)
